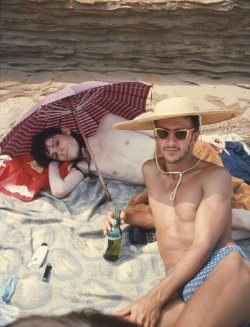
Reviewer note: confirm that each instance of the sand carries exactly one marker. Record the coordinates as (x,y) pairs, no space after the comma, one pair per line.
(19,91)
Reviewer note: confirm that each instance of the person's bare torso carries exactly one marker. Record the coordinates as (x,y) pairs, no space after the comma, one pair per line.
(174,220)
(120,154)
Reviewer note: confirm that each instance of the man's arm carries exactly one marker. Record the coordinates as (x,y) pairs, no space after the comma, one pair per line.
(134,218)
(62,187)
(213,216)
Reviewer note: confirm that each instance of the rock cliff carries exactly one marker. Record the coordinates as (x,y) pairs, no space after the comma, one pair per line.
(207,37)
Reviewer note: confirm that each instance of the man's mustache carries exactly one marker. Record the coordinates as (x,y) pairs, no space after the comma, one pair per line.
(171,147)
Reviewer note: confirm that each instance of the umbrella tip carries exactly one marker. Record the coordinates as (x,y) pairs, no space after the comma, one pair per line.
(107,193)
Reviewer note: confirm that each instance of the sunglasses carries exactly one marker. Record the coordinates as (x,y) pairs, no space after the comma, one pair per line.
(179,134)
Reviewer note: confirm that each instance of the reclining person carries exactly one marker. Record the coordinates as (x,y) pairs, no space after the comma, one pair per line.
(207,275)
(113,150)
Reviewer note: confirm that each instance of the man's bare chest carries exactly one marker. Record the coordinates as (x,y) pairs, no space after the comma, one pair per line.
(180,210)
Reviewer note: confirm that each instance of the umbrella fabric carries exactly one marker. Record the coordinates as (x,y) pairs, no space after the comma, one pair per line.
(67,91)
(90,101)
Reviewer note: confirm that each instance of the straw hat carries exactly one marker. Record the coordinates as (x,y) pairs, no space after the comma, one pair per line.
(175,107)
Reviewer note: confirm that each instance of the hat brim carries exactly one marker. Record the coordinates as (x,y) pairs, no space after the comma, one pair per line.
(146,120)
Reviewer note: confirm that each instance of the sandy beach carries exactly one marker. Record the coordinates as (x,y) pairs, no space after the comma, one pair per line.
(19,91)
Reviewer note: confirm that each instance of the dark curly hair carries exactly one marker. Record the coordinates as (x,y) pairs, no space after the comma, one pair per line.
(39,150)
(84,318)
(195,121)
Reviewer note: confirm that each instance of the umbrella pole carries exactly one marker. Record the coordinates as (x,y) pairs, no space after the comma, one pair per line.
(92,157)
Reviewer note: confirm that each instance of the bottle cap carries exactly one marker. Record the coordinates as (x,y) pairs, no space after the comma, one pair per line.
(47,272)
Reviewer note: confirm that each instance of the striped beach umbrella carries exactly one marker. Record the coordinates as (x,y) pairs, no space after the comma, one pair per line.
(80,108)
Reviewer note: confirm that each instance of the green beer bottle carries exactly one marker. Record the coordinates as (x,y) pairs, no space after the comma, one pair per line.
(113,240)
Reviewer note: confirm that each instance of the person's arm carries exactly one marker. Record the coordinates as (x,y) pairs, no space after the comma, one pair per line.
(134,218)
(62,187)
(216,141)
(211,220)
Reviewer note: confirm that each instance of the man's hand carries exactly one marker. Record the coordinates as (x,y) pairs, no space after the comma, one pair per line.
(141,219)
(110,221)
(144,311)
(216,141)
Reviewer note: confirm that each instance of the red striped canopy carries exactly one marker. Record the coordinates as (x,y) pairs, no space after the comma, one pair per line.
(90,103)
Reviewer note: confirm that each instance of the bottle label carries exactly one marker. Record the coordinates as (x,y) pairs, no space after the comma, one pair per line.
(105,244)
(112,249)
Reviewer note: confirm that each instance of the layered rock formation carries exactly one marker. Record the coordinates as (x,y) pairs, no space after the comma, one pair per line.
(208,37)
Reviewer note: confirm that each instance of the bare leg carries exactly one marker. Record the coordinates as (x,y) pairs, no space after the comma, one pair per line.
(223,299)
(171,311)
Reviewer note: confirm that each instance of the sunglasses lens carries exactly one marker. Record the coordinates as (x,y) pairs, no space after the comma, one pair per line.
(181,135)
(162,134)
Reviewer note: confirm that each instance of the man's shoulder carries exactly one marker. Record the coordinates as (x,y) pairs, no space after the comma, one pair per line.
(215,175)
(148,166)
(149,163)
(212,167)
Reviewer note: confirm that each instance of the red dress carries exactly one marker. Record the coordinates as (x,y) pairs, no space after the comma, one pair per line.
(22,177)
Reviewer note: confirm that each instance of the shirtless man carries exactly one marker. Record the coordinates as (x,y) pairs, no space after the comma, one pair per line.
(114,152)
(190,202)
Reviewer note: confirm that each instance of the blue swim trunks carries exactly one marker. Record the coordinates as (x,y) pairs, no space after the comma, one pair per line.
(187,291)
